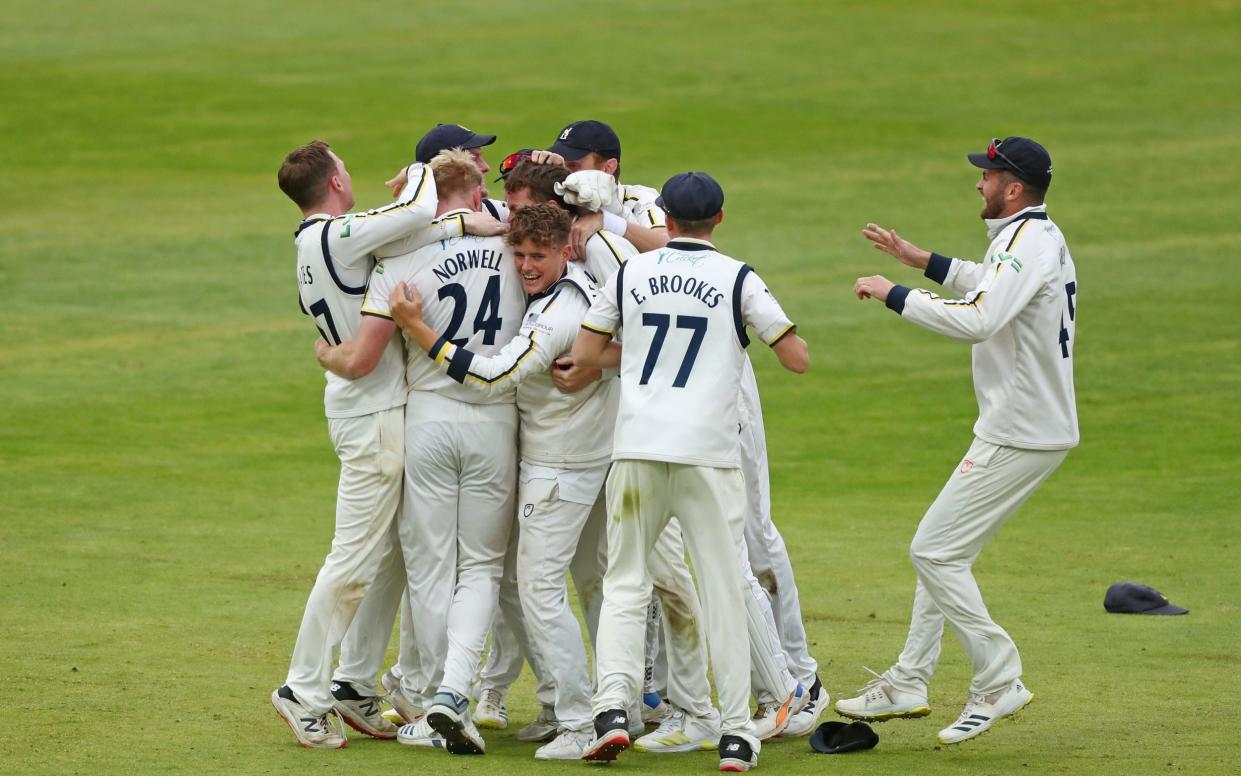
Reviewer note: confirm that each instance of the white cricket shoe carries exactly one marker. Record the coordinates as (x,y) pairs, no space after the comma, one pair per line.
(805,721)
(569,745)
(770,719)
(406,709)
(682,732)
(361,712)
(981,712)
(313,731)
(542,730)
(880,702)
(419,733)
(654,709)
(490,712)
(449,715)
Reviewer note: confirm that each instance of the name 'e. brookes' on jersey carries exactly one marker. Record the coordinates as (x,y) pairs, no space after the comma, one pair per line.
(563,430)
(471,295)
(1019,308)
(683,310)
(335,255)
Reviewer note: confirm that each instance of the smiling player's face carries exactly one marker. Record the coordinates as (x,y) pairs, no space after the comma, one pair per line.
(992,186)
(539,266)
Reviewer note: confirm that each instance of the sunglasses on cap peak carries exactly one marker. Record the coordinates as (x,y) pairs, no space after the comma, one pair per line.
(993,151)
(511,161)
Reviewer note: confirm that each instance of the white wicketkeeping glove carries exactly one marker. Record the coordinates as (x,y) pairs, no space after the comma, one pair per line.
(594,190)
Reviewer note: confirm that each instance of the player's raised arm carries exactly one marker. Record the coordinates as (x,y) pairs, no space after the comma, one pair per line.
(760,310)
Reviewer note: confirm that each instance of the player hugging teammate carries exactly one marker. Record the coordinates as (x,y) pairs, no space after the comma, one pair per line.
(593,326)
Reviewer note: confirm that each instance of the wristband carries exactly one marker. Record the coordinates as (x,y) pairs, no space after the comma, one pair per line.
(614,224)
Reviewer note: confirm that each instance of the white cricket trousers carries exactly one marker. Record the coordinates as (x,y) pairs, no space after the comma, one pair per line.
(370,448)
(552,513)
(642,497)
(460,476)
(768,556)
(988,486)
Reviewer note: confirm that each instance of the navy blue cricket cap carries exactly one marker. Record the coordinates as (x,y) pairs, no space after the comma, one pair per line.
(691,196)
(584,137)
(1134,598)
(1021,156)
(445,136)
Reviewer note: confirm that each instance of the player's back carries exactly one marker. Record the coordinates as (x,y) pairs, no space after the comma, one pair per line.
(470,295)
(682,356)
(331,290)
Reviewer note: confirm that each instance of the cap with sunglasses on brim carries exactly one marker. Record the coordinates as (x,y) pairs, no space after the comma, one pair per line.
(445,136)
(1021,156)
(691,196)
(585,137)
(511,161)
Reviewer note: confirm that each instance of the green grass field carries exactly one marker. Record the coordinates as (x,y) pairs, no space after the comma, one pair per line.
(166,481)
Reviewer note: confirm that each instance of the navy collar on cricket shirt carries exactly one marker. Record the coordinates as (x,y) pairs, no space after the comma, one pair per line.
(690,244)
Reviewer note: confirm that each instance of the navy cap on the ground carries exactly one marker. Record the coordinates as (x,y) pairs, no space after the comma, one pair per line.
(1134,598)
(445,136)
(584,137)
(1021,156)
(838,737)
(691,196)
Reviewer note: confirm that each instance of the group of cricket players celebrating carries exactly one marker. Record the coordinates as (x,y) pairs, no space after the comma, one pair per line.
(551,385)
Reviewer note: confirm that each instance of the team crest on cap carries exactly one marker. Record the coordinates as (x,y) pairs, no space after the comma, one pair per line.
(565,135)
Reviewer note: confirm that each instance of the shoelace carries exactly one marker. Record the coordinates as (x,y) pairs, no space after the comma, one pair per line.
(971,701)
(873,683)
(493,697)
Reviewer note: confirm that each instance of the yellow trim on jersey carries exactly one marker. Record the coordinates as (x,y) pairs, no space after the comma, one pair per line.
(773,342)
(1017,234)
(592,329)
(442,355)
(395,206)
(377,313)
(525,354)
(611,247)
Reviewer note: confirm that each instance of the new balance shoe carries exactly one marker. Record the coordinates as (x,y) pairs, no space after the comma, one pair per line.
(738,753)
(654,708)
(313,731)
(611,736)
(489,712)
(805,720)
(361,712)
(406,709)
(682,732)
(419,734)
(542,730)
(880,702)
(770,719)
(569,745)
(449,716)
(982,711)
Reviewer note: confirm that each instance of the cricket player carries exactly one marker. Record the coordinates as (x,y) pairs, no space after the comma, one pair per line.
(1018,308)
(565,441)
(460,459)
(684,312)
(335,252)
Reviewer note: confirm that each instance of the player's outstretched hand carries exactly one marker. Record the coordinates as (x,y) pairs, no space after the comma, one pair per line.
(876,286)
(483,224)
(584,228)
(891,243)
(405,304)
(397,182)
(570,378)
(546,157)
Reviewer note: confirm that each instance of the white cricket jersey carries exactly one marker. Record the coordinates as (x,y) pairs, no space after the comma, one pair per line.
(683,309)
(470,294)
(334,259)
(638,206)
(605,252)
(565,430)
(1019,307)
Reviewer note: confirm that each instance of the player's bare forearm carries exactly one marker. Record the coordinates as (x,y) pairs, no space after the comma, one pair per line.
(793,352)
(337,359)
(568,377)
(593,350)
(646,238)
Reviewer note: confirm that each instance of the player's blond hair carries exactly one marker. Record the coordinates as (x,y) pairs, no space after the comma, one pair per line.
(455,173)
(542,224)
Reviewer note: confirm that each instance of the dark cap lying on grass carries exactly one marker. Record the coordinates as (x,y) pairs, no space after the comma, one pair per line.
(1134,598)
